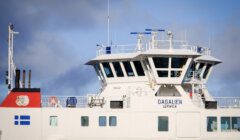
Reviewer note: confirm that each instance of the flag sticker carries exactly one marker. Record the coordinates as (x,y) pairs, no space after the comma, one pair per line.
(22,120)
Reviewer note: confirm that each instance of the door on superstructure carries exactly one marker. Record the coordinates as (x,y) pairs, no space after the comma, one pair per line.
(188,125)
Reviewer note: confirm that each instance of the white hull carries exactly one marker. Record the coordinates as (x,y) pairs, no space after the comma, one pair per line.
(131,124)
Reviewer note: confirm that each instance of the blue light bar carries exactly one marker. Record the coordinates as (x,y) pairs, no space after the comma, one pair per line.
(140,32)
(133,33)
(159,30)
(147,33)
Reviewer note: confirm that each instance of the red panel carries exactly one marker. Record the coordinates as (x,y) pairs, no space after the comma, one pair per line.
(22,100)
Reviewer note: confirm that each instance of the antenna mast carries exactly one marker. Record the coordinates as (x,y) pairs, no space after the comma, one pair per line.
(108,20)
(11,66)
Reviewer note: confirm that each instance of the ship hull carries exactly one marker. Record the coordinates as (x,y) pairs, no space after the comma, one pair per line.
(130,124)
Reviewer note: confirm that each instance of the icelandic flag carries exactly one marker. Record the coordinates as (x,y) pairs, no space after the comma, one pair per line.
(22,120)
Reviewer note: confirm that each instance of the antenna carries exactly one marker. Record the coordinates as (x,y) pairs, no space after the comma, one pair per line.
(108,25)
(170,39)
(11,66)
(185,35)
(154,36)
(139,39)
(209,40)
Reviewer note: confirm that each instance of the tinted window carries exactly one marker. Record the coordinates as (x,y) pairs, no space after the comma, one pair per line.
(162,73)
(112,121)
(176,73)
(206,71)
(84,121)
(98,70)
(107,69)
(128,68)
(53,121)
(139,68)
(162,123)
(116,104)
(118,69)
(236,123)
(102,121)
(178,62)
(211,124)
(225,123)
(199,70)
(161,62)
(200,66)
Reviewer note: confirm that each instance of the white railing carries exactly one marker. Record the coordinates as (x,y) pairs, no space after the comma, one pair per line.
(61,101)
(228,102)
(115,49)
(158,44)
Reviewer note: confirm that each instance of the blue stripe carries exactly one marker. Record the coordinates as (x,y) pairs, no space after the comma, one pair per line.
(24,117)
(24,122)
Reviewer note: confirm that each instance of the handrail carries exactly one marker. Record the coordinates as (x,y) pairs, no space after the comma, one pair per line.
(158,44)
(61,101)
(228,102)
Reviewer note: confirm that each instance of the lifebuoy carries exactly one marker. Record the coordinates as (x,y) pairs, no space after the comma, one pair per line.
(53,101)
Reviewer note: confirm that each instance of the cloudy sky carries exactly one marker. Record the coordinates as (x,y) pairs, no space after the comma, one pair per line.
(57,37)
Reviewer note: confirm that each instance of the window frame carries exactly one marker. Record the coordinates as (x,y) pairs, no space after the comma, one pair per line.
(126,65)
(116,71)
(51,118)
(206,71)
(110,75)
(228,127)
(139,65)
(172,59)
(162,129)
(114,124)
(100,119)
(209,128)
(99,71)
(232,128)
(157,62)
(82,123)
(163,71)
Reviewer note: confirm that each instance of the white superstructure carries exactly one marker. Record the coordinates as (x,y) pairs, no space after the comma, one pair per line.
(155,89)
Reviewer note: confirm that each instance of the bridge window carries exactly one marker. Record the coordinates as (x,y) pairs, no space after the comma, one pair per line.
(225,123)
(162,73)
(139,68)
(128,68)
(206,71)
(178,62)
(211,124)
(161,62)
(201,66)
(118,69)
(98,70)
(53,121)
(112,121)
(107,69)
(176,73)
(84,121)
(162,123)
(236,123)
(102,121)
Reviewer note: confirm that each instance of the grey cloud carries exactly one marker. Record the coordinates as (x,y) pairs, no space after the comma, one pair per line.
(47,54)
(226,47)
(39,47)
(76,81)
